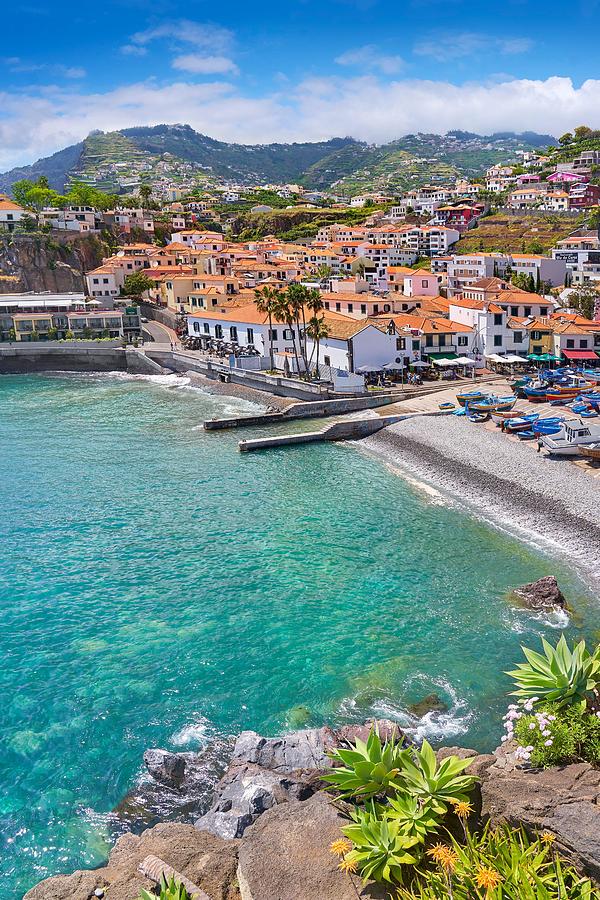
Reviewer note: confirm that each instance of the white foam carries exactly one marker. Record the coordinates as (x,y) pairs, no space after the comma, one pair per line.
(194,733)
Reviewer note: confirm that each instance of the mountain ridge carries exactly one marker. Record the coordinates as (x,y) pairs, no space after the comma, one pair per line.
(117,160)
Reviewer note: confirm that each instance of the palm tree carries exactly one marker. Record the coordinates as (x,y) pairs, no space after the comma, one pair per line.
(268,302)
(288,311)
(296,296)
(317,330)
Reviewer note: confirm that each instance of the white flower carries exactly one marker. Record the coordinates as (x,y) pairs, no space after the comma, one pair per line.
(548,743)
(546,732)
(553,718)
(503,738)
(531,726)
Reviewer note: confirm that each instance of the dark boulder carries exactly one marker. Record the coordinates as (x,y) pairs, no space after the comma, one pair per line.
(432,703)
(168,768)
(246,791)
(543,594)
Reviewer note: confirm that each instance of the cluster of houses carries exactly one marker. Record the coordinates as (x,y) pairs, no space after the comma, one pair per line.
(568,187)
(47,316)
(378,309)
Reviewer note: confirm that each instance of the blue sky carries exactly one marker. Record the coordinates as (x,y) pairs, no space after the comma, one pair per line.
(296,70)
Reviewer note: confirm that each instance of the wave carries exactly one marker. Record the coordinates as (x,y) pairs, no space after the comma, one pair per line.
(195,733)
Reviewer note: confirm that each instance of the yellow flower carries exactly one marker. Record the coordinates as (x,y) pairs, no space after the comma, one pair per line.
(462,809)
(444,856)
(487,878)
(548,837)
(348,865)
(340,847)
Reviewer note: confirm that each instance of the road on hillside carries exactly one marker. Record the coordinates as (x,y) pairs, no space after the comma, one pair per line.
(161,334)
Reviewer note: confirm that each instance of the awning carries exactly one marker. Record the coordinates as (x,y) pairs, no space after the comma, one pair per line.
(444,362)
(543,357)
(580,354)
(444,354)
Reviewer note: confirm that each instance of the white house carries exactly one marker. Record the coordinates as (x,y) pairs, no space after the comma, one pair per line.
(10,213)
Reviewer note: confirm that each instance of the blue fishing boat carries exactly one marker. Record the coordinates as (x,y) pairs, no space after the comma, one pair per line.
(468,396)
(526,435)
(520,424)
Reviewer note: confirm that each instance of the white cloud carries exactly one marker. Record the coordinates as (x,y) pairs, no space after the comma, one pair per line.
(18,66)
(369,57)
(447,46)
(205,65)
(184,31)
(369,108)
(133,50)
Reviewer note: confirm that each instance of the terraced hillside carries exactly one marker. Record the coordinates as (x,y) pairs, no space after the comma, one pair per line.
(516,234)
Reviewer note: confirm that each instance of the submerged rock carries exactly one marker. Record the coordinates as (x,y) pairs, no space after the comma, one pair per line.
(543,594)
(430,703)
(298,716)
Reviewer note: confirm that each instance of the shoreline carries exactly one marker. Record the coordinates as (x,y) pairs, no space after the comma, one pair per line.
(547,503)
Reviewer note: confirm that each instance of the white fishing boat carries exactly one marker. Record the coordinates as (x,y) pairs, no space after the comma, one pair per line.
(568,441)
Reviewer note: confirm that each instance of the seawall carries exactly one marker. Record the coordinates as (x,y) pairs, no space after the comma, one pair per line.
(83,357)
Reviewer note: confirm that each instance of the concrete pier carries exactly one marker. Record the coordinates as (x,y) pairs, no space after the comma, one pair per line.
(351,429)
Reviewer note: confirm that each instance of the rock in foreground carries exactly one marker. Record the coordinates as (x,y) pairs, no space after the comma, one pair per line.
(543,594)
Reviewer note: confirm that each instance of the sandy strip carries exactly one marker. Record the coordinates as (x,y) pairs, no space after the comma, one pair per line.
(549,502)
(261,398)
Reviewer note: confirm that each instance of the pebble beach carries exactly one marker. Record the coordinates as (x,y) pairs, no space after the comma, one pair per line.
(553,503)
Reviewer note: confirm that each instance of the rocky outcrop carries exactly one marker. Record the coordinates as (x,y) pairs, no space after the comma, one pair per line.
(204,859)
(432,703)
(47,262)
(563,799)
(543,594)
(168,768)
(297,750)
(286,855)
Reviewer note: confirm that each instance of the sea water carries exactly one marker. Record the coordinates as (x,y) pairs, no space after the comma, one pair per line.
(158,588)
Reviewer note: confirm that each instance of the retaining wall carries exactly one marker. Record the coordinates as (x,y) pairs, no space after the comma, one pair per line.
(41,357)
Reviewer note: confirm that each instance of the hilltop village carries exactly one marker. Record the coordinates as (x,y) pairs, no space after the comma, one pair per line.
(383,292)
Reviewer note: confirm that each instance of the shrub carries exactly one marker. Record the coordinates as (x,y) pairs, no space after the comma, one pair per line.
(380,848)
(552,736)
(568,677)
(169,890)
(441,785)
(501,863)
(370,770)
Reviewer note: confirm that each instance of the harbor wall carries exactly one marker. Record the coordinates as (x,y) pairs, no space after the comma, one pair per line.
(46,357)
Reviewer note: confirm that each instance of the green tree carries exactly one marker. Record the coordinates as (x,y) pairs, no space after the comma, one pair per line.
(584,300)
(136,284)
(268,303)
(145,194)
(565,138)
(317,330)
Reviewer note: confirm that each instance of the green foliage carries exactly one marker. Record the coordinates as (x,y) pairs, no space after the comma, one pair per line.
(440,785)
(415,818)
(136,284)
(169,890)
(584,300)
(380,848)
(561,675)
(500,864)
(372,769)
(559,735)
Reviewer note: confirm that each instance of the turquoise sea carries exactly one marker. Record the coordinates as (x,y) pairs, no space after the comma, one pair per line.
(158,588)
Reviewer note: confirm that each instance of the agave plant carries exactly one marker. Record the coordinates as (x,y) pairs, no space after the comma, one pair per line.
(169,890)
(370,770)
(380,848)
(415,818)
(439,785)
(566,677)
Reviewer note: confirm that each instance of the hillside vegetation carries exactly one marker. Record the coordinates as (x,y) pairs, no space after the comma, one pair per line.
(516,234)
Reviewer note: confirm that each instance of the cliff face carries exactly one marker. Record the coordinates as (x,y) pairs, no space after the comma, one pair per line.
(47,262)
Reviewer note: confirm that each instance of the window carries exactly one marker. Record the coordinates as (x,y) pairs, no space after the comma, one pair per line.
(327,360)
(105,281)
(326,304)
(416,345)
(497,318)
(497,340)
(514,310)
(518,337)
(288,334)
(570,344)
(96,281)
(527,311)
(543,311)
(400,343)
(206,328)
(424,283)
(350,308)
(583,344)
(250,335)
(429,340)
(462,340)
(442,340)
(338,307)
(196,326)
(536,336)
(219,331)
(233,333)
(272,334)
(363,308)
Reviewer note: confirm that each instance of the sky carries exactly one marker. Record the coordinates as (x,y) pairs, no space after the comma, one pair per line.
(297,70)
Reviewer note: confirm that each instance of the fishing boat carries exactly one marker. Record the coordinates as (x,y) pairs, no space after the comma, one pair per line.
(589,414)
(592,451)
(469,396)
(535,394)
(571,389)
(494,404)
(499,416)
(522,423)
(446,406)
(547,426)
(573,435)
(526,435)
(478,417)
